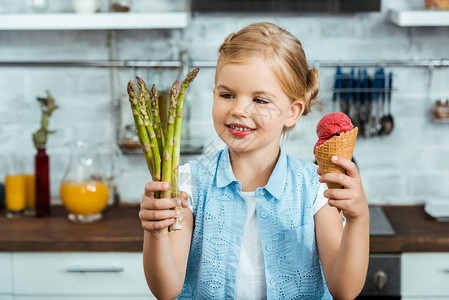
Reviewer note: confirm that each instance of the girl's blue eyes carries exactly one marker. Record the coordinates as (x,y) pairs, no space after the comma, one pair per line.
(226,96)
(230,96)
(261,101)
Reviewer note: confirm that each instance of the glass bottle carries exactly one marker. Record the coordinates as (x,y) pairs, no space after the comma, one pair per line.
(84,191)
(15,197)
(42,173)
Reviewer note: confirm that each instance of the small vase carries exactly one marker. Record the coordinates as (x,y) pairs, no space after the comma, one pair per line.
(42,171)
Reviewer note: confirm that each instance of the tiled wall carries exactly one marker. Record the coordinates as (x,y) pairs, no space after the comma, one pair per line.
(408,166)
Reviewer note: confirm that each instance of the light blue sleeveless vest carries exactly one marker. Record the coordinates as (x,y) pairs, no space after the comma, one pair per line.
(285,216)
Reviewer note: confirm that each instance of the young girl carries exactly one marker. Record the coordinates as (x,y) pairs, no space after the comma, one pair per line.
(258,223)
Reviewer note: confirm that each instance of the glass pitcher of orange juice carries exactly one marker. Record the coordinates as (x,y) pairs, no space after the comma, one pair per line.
(84,190)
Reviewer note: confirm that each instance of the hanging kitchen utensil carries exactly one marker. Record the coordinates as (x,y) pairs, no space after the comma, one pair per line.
(337,87)
(388,123)
(362,102)
(351,86)
(372,106)
(383,96)
(381,76)
(344,101)
(356,110)
(377,126)
(368,102)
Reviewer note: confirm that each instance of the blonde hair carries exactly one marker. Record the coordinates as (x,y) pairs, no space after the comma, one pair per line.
(281,51)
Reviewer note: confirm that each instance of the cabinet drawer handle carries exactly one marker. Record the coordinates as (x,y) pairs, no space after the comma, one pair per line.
(445,270)
(95,269)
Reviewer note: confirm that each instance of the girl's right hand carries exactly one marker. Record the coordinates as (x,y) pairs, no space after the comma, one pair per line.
(156,214)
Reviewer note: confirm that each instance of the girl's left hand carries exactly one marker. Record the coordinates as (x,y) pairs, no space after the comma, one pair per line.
(351,199)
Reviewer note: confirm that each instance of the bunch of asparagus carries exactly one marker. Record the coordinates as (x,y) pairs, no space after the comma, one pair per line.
(161,145)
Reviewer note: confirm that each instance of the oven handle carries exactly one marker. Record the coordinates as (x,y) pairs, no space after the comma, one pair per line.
(95,269)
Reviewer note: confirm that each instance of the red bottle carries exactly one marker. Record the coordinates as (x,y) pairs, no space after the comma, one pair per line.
(42,170)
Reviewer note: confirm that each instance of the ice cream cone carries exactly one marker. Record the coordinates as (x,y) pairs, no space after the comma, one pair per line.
(340,145)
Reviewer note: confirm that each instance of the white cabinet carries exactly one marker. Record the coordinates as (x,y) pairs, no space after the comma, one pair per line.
(5,274)
(420,18)
(71,275)
(425,276)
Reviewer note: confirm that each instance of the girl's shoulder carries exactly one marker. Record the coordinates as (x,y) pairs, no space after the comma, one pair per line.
(297,164)
(205,164)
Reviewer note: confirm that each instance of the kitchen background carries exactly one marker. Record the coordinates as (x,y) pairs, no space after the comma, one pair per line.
(408,166)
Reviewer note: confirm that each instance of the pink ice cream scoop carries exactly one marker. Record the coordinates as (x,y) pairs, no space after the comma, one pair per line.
(330,125)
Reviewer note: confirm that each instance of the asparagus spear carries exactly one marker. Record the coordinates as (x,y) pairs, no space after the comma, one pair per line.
(177,141)
(142,133)
(145,119)
(178,121)
(157,119)
(145,95)
(167,174)
(169,141)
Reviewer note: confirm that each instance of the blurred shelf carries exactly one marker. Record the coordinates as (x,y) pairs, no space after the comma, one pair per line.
(408,18)
(97,21)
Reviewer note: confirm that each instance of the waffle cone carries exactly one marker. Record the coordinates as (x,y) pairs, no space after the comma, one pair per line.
(340,145)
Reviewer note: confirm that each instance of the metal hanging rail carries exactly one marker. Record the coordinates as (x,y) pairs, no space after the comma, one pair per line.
(434,63)
(384,63)
(95,64)
(358,63)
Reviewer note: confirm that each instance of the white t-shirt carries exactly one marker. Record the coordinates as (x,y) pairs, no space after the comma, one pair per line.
(250,276)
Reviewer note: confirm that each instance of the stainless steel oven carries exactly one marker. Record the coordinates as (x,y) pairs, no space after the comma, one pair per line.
(383,279)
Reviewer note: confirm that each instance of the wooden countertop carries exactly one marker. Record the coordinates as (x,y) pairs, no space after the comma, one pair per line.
(120,231)
(415,232)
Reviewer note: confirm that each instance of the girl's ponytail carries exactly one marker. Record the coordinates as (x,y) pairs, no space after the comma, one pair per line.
(311,90)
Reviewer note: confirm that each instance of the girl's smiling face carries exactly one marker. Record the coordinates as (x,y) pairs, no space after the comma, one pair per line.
(250,108)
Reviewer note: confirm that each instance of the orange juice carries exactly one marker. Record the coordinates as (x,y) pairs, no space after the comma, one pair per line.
(30,187)
(84,198)
(15,196)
